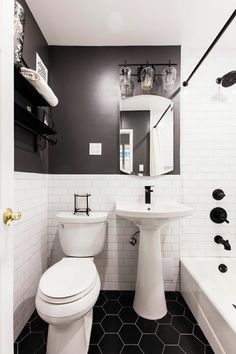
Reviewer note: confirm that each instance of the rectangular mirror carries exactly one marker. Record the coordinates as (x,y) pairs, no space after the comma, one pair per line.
(146,135)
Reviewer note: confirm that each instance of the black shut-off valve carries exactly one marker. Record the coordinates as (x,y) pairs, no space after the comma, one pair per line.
(218,194)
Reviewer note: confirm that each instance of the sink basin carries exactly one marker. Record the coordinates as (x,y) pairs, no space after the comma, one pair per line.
(149,300)
(152,215)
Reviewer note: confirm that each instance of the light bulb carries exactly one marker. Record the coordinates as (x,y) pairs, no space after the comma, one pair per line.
(169,77)
(147,78)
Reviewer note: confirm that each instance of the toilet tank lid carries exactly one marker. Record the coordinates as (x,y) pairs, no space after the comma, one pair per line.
(94,216)
(68,277)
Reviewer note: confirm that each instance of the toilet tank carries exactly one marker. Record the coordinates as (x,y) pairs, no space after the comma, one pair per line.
(82,235)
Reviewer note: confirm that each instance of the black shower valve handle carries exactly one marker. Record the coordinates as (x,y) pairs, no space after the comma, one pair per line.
(223,217)
(219,215)
(149,188)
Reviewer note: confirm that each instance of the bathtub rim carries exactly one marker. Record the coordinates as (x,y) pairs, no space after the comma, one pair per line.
(189,292)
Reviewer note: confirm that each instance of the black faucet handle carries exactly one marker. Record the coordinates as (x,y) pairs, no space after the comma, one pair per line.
(148,191)
(148,188)
(219,215)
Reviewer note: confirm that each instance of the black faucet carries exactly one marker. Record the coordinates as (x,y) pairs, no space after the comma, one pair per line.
(219,239)
(148,192)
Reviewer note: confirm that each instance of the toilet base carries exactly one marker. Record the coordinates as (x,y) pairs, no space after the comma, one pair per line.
(70,339)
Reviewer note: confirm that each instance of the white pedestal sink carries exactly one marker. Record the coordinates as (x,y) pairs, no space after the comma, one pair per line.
(149,300)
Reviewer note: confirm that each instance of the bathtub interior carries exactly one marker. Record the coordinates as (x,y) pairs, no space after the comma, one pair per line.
(210,295)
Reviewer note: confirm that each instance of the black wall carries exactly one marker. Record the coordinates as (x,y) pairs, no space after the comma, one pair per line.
(86,81)
(26,159)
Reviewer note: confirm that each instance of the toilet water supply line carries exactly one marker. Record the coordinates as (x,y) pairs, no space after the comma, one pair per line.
(133,238)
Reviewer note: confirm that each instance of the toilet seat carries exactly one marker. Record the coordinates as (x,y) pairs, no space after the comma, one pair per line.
(68,280)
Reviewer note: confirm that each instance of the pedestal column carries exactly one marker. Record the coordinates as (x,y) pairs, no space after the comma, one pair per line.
(149,300)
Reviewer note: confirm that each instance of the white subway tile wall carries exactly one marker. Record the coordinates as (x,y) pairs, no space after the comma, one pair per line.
(30,243)
(117,263)
(208,149)
(208,161)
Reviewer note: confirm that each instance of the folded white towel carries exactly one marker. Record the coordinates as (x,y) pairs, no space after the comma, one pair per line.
(40,85)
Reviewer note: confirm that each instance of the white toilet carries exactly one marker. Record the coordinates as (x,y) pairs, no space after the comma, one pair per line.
(68,290)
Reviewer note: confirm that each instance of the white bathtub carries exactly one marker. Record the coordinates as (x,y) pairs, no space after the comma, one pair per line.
(210,295)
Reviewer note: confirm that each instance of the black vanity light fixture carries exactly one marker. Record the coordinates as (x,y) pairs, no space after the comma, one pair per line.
(146,74)
(228,79)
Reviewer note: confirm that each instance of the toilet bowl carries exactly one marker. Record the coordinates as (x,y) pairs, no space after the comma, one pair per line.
(68,290)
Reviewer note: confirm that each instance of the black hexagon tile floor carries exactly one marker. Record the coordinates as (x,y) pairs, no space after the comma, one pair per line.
(117,329)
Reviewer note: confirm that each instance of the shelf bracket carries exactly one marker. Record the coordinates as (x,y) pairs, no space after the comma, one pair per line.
(40,143)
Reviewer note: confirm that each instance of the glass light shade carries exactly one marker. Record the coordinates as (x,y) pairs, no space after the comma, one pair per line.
(147,78)
(169,77)
(126,84)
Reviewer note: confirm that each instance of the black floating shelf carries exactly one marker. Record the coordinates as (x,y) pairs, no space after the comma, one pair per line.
(27,90)
(30,122)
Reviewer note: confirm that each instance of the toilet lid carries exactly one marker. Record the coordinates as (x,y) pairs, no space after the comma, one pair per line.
(68,280)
